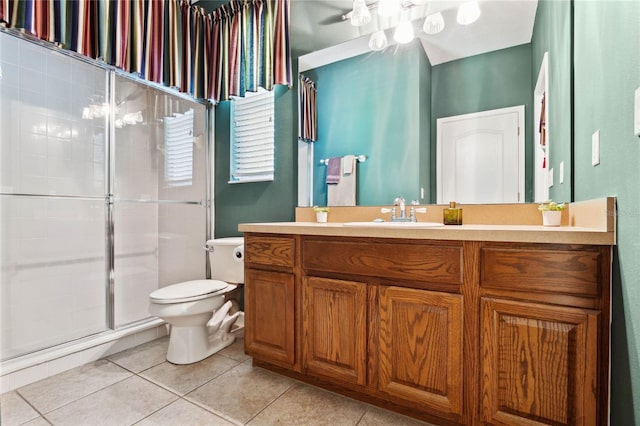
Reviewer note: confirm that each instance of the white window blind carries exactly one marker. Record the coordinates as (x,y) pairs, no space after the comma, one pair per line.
(178,143)
(252,137)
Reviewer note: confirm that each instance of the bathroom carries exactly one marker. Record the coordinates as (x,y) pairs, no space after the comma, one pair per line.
(603,99)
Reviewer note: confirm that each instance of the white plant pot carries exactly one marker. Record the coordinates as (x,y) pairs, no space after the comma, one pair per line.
(321,217)
(551,217)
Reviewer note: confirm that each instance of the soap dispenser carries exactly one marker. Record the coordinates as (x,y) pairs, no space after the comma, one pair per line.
(452,215)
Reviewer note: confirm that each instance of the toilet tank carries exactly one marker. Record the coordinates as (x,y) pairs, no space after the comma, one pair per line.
(227,263)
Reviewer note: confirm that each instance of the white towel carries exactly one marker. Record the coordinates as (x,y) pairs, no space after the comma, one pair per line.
(344,193)
(348,164)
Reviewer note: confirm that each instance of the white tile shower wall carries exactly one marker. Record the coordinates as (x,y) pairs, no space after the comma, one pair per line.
(46,145)
(53,272)
(52,280)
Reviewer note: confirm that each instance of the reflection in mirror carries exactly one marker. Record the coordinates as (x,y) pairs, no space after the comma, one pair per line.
(386,104)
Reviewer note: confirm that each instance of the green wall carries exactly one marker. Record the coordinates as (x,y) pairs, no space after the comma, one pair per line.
(552,33)
(489,81)
(257,201)
(607,72)
(374,104)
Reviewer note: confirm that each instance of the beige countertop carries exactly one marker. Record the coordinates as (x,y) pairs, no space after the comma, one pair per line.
(585,222)
(506,233)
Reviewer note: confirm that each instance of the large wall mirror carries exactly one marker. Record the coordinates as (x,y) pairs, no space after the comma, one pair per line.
(385,105)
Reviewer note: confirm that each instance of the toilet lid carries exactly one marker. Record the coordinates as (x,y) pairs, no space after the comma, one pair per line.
(187,291)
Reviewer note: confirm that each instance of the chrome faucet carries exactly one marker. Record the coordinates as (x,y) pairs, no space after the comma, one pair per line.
(399,201)
(402,215)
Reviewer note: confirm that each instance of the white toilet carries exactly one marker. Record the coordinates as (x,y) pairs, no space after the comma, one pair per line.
(196,331)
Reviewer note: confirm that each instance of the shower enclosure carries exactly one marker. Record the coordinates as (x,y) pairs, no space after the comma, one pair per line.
(103,196)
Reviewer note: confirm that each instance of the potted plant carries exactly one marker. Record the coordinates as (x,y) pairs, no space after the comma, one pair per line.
(551,213)
(321,213)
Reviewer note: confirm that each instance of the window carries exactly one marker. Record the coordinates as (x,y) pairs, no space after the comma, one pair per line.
(252,137)
(178,143)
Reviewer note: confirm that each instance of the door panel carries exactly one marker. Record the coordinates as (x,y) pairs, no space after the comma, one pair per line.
(539,364)
(421,347)
(335,328)
(480,157)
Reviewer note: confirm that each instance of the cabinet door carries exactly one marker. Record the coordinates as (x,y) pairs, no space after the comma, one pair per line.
(539,364)
(269,321)
(421,347)
(334,329)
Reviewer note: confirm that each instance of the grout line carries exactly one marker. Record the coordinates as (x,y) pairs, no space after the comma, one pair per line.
(151,414)
(213,411)
(30,405)
(75,400)
(363,414)
(294,385)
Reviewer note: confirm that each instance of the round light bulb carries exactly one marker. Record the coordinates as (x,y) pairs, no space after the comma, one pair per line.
(404,32)
(433,23)
(378,41)
(468,13)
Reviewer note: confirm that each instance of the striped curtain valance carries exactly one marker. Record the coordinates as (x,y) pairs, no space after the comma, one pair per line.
(236,48)
(307,110)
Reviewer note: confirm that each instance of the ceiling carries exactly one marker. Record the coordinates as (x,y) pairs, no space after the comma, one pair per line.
(317,24)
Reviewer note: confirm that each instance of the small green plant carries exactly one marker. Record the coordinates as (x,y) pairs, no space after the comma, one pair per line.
(551,206)
(320,209)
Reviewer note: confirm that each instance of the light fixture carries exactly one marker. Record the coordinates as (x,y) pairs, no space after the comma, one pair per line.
(388,7)
(404,30)
(468,13)
(378,41)
(433,23)
(360,14)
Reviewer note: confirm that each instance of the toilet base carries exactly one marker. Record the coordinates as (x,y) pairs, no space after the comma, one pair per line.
(192,344)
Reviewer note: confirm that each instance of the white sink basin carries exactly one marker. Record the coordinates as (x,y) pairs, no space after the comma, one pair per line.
(393,224)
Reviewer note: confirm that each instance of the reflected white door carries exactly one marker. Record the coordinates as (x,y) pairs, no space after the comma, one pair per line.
(480,157)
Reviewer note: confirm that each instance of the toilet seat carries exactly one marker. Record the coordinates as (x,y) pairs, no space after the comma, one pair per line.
(189,291)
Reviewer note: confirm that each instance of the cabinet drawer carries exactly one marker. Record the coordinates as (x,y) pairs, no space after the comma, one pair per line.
(441,263)
(270,251)
(573,272)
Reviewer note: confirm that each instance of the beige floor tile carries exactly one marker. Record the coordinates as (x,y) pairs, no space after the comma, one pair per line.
(242,392)
(182,379)
(308,405)
(142,357)
(39,421)
(124,403)
(14,410)
(235,351)
(185,413)
(56,391)
(376,416)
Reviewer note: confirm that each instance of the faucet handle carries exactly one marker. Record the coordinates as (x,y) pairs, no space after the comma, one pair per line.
(388,210)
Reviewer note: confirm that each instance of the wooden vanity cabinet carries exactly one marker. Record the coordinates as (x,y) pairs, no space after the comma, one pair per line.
(270,299)
(545,334)
(386,317)
(452,332)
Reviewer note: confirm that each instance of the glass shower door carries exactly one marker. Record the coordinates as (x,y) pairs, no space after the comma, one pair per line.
(159,193)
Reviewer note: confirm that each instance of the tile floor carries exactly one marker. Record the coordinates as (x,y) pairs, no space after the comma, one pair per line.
(138,386)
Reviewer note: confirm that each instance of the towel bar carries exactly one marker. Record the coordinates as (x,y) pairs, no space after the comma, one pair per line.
(360,158)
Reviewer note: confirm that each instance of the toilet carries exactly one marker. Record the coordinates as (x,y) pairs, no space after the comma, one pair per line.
(198,311)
